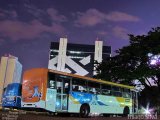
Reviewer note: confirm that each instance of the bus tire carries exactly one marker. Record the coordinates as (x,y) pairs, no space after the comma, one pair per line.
(126,111)
(84,110)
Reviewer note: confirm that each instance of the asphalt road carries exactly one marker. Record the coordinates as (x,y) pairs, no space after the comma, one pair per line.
(31,115)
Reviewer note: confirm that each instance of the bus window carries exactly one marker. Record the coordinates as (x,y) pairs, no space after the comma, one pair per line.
(62,84)
(114,88)
(51,84)
(79,85)
(93,87)
(4,91)
(59,84)
(20,89)
(133,94)
(116,91)
(126,93)
(51,81)
(106,89)
(66,85)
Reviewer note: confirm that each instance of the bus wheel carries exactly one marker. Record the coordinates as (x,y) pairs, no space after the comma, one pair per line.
(125,111)
(84,110)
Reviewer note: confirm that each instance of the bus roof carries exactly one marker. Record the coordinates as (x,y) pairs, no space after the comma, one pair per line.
(92,79)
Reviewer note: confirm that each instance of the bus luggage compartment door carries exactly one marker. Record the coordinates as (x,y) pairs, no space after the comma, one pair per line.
(51,100)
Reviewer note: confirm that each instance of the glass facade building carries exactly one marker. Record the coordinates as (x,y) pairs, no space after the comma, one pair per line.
(79,58)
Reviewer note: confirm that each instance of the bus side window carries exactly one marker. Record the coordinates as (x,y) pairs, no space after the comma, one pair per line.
(106,89)
(20,89)
(93,87)
(66,87)
(79,85)
(75,88)
(116,91)
(51,84)
(51,81)
(126,93)
(59,85)
(133,94)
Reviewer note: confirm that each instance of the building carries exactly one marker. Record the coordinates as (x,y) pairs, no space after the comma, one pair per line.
(10,72)
(77,58)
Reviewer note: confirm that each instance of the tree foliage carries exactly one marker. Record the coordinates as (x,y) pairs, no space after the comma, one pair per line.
(131,62)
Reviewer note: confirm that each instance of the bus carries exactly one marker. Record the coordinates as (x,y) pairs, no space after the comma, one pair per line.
(12,96)
(62,92)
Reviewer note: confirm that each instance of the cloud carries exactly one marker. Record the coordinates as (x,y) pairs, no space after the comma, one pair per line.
(103,33)
(2,14)
(120,16)
(2,41)
(33,10)
(41,13)
(55,16)
(11,14)
(120,32)
(93,17)
(20,30)
(16,29)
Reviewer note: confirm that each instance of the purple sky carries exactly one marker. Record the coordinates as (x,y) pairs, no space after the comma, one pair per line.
(28,26)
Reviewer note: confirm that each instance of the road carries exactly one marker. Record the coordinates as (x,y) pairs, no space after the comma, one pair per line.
(23,115)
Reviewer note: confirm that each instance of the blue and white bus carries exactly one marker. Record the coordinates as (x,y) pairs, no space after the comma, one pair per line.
(12,96)
(69,93)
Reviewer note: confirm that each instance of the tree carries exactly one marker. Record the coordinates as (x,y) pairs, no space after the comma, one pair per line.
(132,62)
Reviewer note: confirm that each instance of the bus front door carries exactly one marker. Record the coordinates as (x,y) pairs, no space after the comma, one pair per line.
(63,86)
